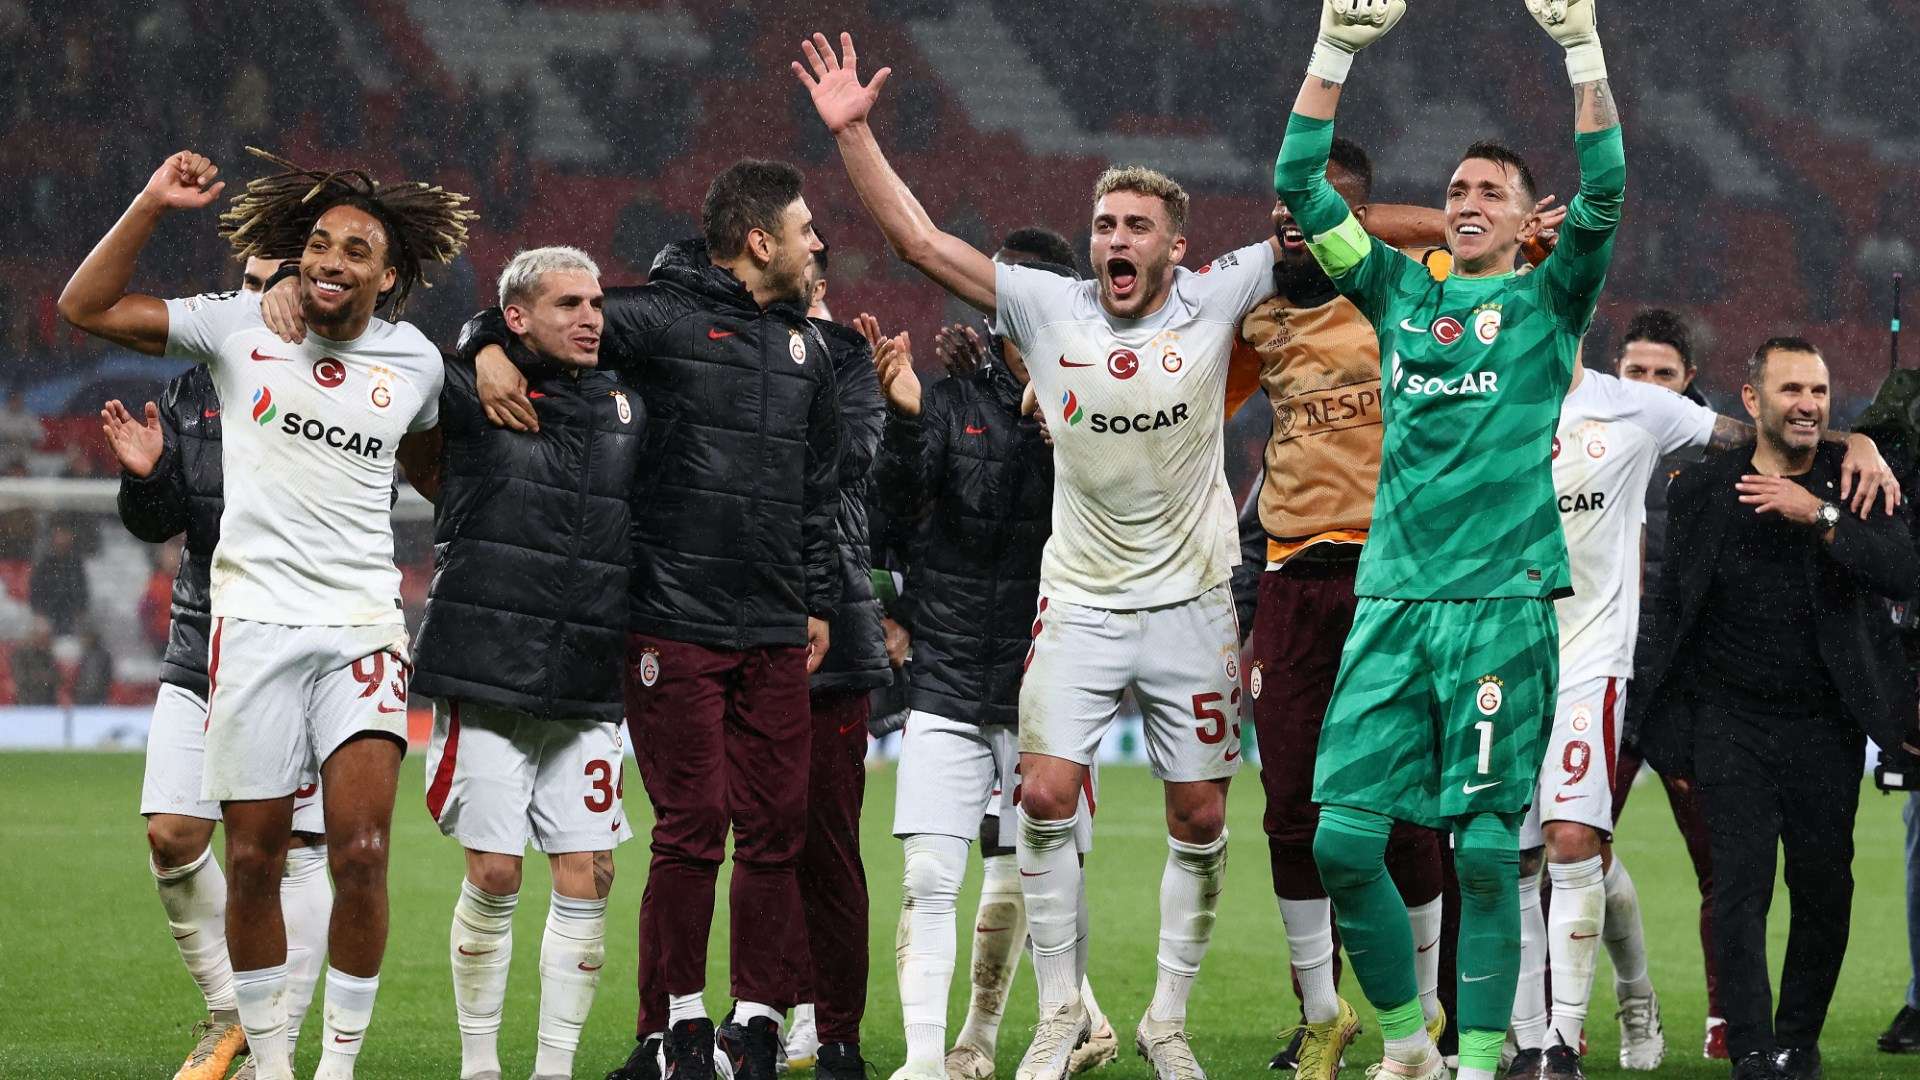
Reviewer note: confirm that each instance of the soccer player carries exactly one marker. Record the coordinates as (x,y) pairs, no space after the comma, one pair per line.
(170,483)
(1441,706)
(1612,435)
(1131,370)
(307,667)
(526,683)
(1317,359)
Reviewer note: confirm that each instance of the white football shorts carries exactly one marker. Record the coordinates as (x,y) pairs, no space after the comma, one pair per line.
(177,751)
(500,779)
(1576,777)
(952,773)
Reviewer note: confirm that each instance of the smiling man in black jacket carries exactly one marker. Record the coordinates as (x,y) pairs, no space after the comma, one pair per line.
(736,572)
(521,648)
(1773,658)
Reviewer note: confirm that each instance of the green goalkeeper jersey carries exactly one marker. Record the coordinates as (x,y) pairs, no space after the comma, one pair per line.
(1472,374)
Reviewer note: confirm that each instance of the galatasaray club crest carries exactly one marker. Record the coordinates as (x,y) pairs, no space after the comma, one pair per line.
(1254,680)
(796,347)
(1489,695)
(649,666)
(1486,325)
(1582,718)
(381,392)
(620,405)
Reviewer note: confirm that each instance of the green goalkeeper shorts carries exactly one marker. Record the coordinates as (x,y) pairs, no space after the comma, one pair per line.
(1441,710)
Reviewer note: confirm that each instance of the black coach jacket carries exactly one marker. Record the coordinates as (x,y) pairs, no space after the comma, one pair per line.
(976,480)
(736,489)
(1867,562)
(857,658)
(531,546)
(183,494)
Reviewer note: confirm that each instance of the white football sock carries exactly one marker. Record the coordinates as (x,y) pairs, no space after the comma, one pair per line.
(1530,998)
(572,952)
(481,949)
(195,899)
(1094,1015)
(306,905)
(744,1011)
(1624,934)
(925,942)
(1083,931)
(1573,942)
(1309,926)
(1426,954)
(1189,896)
(1050,881)
(685,1007)
(349,1011)
(261,997)
(999,937)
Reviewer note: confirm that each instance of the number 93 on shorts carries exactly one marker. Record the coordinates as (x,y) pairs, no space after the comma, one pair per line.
(1441,708)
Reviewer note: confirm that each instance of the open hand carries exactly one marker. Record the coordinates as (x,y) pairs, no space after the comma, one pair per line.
(893,365)
(1779,495)
(1544,241)
(834,82)
(184,182)
(1865,476)
(869,328)
(137,443)
(960,350)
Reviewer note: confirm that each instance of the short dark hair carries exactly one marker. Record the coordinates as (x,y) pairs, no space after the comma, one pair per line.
(1757,363)
(1489,150)
(1347,155)
(1043,244)
(747,195)
(820,257)
(1662,327)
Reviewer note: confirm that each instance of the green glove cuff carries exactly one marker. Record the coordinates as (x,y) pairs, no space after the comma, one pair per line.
(1330,62)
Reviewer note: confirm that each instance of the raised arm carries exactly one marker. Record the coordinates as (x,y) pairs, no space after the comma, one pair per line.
(1578,266)
(96,298)
(843,104)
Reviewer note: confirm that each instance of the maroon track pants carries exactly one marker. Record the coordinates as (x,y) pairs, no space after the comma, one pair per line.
(1691,820)
(833,881)
(722,738)
(1299,629)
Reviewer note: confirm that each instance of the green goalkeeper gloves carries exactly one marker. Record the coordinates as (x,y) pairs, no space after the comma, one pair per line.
(1571,24)
(1346,27)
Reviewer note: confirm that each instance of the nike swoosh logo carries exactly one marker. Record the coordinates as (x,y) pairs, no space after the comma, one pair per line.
(1029,873)
(715,333)
(209,414)
(1064,362)
(382,707)
(1471,788)
(258,355)
(1407,325)
(343,1040)
(534,395)
(464,951)
(1428,947)
(978,929)
(971,430)
(584,967)
(1475,978)
(1583,937)
(185,936)
(849,729)
(1561,796)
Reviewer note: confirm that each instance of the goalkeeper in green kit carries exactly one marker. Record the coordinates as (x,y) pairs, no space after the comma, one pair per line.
(1445,694)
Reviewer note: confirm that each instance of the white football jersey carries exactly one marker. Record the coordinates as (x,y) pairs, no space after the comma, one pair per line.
(1613,433)
(306,538)
(1141,511)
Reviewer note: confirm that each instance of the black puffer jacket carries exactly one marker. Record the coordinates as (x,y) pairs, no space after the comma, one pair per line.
(531,547)
(734,543)
(857,658)
(978,481)
(183,494)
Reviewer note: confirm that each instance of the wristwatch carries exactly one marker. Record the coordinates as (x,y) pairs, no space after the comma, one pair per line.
(1827,516)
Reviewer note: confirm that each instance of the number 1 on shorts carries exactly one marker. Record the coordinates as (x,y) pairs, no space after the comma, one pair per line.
(1485,727)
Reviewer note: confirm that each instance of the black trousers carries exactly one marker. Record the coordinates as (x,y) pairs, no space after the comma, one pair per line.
(1768,783)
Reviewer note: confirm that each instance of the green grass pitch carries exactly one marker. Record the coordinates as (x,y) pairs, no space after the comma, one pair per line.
(90,985)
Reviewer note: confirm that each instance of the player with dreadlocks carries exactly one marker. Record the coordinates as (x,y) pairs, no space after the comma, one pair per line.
(308,664)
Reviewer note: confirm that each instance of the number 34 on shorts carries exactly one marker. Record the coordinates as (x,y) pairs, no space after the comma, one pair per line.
(1441,708)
